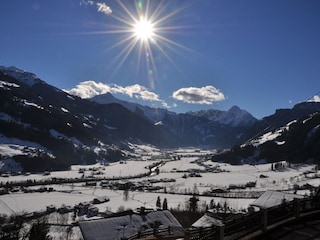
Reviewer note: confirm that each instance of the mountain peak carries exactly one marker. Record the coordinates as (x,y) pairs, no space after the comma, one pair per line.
(235,109)
(22,76)
(315,98)
(233,117)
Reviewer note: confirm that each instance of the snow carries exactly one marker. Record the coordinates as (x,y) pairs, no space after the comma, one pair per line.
(6,85)
(30,104)
(10,150)
(109,228)
(270,136)
(207,221)
(233,117)
(70,97)
(24,77)
(178,192)
(110,127)
(315,98)
(64,110)
(8,118)
(281,180)
(17,203)
(10,147)
(86,125)
(58,135)
(9,165)
(272,198)
(158,123)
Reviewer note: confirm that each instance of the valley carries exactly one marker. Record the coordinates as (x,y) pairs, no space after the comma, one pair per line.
(178,177)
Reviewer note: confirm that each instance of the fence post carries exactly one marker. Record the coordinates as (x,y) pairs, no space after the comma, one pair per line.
(220,232)
(297,207)
(264,219)
(187,235)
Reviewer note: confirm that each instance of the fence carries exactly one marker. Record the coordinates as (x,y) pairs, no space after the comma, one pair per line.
(258,223)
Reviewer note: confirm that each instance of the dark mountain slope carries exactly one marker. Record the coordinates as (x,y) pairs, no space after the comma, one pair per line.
(69,129)
(298,141)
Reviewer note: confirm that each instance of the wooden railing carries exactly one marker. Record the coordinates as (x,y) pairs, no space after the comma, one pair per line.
(258,222)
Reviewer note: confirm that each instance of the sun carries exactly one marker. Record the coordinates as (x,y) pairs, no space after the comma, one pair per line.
(143,29)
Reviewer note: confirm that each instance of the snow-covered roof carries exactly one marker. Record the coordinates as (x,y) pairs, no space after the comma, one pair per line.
(274,198)
(207,221)
(121,226)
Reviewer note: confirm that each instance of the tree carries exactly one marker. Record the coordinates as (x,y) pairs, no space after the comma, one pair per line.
(39,231)
(126,194)
(165,204)
(212,204)
(193,203)
(158,203)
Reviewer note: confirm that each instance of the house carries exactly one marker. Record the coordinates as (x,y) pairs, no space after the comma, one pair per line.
(216,218)
(271,199)
(145,224)
(92,211)
(51,208)
(99,200)
(65,209)
(82,208)
(207,220)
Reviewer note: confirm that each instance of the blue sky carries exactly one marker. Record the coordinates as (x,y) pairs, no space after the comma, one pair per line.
(205,54)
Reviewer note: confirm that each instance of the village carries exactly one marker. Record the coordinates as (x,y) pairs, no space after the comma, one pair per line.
(176,194)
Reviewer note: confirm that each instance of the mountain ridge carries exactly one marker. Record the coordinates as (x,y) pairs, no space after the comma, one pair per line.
(56,129)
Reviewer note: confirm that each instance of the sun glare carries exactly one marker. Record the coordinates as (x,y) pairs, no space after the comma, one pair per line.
(143,29)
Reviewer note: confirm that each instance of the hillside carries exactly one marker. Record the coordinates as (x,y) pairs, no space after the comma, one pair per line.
(45,128)
(297,141)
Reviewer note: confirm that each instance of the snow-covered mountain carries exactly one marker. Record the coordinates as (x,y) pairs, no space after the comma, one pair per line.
(207,128)
(43,127)
(291,135)
(153,114)
(234,117)
(24,77)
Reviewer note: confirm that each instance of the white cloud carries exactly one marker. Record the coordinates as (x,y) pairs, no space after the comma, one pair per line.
(104,8)
(89,2)
(315,98)
(203,95)
(89,89)
(101,6)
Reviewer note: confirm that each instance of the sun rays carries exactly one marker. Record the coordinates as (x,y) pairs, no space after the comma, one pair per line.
(143,29)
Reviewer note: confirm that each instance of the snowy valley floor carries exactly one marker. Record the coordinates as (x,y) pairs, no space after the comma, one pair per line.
(176,189)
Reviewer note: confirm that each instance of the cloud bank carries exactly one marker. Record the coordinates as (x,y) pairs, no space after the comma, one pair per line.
(89,89)
(203,95)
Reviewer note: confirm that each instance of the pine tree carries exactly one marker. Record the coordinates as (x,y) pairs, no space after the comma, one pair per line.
(165,204)
(158,203)
(212,204)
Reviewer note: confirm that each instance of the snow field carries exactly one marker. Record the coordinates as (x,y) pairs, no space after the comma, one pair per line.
(72,194)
